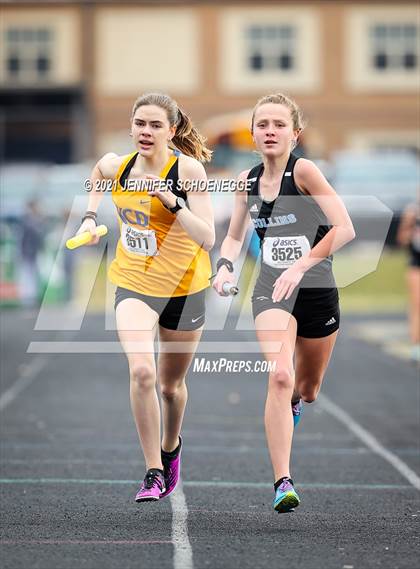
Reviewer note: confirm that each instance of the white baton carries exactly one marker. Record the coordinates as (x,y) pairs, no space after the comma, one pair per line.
(230,289)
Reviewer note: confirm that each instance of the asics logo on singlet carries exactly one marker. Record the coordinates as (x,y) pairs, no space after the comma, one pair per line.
(284,242)
(133,216)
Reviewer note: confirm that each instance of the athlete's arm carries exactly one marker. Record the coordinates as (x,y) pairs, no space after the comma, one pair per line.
(311,181)
(406,226)
(232,243)
(197,219)
(105,168)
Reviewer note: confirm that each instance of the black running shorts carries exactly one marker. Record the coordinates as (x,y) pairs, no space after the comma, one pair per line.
(316,310)
(175,313)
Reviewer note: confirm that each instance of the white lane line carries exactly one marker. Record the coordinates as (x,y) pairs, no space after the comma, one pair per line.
(369,440)
(183,558)
(231,485)
(27,376)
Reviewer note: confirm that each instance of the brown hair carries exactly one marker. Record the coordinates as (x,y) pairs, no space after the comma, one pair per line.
(280,99)
(187,138)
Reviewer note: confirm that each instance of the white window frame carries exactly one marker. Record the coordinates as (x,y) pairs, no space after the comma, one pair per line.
(235,74)
(393,47)
(361,74)
(27,52)
(65,23)
(272,48)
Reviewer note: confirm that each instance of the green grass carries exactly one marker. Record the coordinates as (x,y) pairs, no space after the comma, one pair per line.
(98,292)
(383,290)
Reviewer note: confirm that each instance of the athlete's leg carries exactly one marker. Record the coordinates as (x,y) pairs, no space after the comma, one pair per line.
(278,327)
(172,369)
(312,358)
(136,324)
(413,279)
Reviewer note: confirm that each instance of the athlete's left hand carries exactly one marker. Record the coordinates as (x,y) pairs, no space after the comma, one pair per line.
(286,283)
(161,191)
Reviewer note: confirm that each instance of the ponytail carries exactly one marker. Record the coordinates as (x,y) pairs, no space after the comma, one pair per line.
(188,140)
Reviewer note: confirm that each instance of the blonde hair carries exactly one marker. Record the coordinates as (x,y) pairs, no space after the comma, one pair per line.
(187,139)
(281,99)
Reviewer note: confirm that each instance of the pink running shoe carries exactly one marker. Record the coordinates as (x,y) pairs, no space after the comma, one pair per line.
(152,487)
(171,468)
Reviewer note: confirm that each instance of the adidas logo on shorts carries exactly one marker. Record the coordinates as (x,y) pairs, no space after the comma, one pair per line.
(330,321)
(254,208)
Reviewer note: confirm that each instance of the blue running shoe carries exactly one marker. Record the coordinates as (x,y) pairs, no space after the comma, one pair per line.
(297,410)
(286,498)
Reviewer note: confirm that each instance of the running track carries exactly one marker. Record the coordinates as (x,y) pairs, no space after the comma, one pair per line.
(70,465)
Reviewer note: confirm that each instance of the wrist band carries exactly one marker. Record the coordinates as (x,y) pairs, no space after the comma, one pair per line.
(90,215)
(226,263)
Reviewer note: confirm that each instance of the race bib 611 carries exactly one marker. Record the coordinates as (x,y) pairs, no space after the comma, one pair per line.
(139,241)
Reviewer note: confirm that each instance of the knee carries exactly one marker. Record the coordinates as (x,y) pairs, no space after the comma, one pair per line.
(282,378)
(142,375)
(171,392)
(309,393)
(309,397)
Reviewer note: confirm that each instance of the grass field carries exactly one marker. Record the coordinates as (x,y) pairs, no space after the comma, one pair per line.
(383,290)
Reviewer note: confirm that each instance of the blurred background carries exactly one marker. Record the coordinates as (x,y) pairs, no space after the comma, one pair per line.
(70,72)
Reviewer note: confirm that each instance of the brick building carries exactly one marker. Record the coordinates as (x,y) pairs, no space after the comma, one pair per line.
(70,70)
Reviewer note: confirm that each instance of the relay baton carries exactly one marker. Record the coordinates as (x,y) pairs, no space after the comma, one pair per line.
(230,289)
(85,237)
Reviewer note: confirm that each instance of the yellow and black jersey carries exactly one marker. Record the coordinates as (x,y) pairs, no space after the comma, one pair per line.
(155,256)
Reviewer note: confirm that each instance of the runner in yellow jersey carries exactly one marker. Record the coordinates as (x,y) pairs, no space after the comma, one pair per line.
(161,269)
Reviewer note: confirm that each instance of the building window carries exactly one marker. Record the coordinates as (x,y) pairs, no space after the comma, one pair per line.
(394,47)
(28,54)
(271,48)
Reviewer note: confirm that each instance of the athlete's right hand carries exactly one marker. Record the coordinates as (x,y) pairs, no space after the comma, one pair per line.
(223,276)
(89,225)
